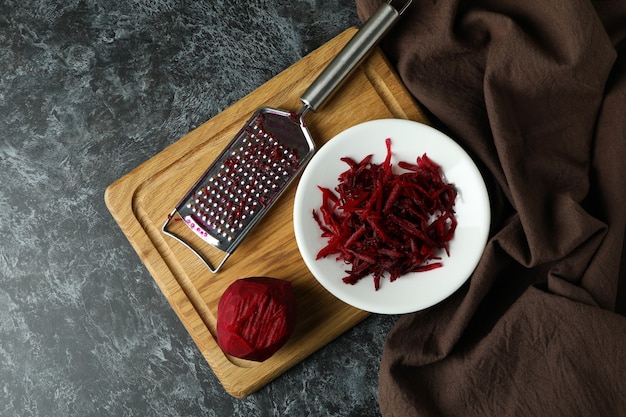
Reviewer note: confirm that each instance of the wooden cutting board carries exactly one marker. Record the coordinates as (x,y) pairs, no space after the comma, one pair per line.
(141,201)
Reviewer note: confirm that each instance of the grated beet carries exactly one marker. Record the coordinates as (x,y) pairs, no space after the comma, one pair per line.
(387,224)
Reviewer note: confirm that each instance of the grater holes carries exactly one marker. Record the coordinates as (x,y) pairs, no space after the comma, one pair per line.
(243,183)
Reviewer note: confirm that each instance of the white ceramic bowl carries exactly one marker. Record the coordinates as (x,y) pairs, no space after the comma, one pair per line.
(415,291)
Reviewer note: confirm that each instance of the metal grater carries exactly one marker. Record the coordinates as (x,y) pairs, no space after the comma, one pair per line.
(266,155)
(241,184)
(245,180)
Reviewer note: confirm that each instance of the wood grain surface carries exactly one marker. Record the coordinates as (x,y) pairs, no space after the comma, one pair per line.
(141,201)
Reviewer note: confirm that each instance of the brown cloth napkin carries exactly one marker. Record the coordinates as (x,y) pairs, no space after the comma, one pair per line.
(535,91)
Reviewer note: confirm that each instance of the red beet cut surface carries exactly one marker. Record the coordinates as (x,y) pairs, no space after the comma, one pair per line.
(255,317)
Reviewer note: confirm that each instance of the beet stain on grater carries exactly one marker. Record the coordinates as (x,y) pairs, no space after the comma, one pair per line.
(266,155)
(242,183)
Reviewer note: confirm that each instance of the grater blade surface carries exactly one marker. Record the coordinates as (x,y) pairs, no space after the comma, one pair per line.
(246,179)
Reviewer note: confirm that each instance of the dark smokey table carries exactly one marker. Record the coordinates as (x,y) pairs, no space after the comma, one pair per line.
(88,91)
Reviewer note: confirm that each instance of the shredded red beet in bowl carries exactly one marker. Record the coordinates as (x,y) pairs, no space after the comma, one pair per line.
(468,202)
(383,223)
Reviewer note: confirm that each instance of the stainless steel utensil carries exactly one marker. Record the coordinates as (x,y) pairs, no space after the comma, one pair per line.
(267,154)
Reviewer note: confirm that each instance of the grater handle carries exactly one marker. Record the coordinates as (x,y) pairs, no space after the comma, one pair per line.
(188,245)
(355,51)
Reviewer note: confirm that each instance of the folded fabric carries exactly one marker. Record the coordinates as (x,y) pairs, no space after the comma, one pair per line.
(535,91)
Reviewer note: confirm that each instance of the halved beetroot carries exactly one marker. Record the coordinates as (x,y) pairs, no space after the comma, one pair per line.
(255,317)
